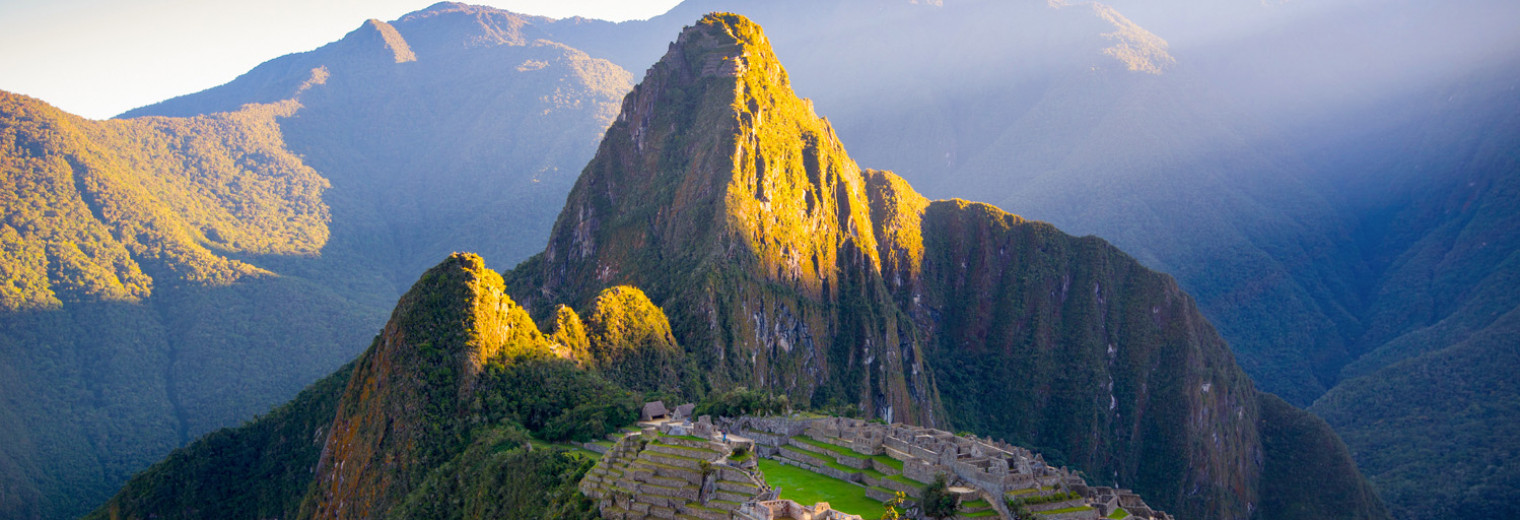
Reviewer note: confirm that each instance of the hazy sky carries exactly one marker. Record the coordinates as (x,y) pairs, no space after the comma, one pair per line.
(99,58)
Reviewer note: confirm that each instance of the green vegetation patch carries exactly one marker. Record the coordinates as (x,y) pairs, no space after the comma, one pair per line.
(1027,491)
(1119,514)
(975,504)
(894,463)
(809,488)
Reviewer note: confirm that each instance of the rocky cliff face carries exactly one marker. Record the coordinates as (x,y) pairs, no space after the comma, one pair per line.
(784,265)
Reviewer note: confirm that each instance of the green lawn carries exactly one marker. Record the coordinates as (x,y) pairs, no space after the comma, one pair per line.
(809,488)
(1118,514)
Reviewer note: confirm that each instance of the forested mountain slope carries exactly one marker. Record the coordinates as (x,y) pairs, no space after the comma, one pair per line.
(132,291)
(167,276)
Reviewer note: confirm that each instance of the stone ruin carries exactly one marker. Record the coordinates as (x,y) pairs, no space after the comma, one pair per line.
(894,458)
(654,411)
(787,509)
(675,468)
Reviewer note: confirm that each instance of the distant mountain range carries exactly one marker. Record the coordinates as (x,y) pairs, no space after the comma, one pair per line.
(1331,180)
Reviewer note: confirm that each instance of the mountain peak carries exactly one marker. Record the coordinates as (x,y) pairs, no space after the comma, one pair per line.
(376,42)
(713,156)
(400,51)
(406,390)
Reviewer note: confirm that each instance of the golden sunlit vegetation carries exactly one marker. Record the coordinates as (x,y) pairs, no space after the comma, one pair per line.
(631,342)
(99,205)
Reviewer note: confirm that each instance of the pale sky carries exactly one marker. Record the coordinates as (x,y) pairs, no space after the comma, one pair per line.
(99,58)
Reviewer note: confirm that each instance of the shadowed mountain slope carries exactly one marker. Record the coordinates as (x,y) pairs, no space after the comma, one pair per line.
(132,290)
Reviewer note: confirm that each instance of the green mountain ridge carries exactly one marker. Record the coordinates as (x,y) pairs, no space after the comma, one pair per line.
(714,192)
(168,276)
(128,271)
(428,395)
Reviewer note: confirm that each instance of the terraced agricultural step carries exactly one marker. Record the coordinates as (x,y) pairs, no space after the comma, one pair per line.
(682,451)
(731,496)
(737,487)
(673,460)
(687,474)
(880,494)
(1064,504)
(663,481)
(690,442)
(725,504)
(728,473)
(805,457)
(662,512)
(705,512)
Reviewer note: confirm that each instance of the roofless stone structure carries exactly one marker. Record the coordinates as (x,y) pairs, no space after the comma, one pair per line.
(680,469)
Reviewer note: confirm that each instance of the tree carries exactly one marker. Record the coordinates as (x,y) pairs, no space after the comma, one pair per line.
(895,507)
(937,501)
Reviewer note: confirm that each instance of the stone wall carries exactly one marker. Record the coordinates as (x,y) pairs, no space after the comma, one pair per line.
(991,483)
(1089,514)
